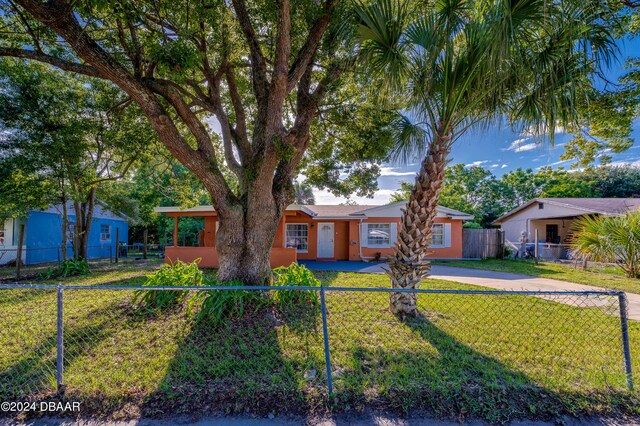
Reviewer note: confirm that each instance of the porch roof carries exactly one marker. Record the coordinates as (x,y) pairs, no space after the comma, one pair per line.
(604,206)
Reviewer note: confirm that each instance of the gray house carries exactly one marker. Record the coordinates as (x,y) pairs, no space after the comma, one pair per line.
(553,218)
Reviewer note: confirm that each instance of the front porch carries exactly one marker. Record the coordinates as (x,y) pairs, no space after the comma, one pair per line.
(551,236)
(203,243)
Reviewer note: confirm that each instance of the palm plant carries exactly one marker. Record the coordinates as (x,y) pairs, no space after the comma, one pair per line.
(303,193)
(610,239)
(461,63)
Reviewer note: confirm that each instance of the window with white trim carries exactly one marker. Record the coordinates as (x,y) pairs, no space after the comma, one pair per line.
(437,235)
(2,232)
(105,232)
(379,235)
(71,230)
(297,236)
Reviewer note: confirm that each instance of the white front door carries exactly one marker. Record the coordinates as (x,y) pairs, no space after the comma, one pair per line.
(325,240)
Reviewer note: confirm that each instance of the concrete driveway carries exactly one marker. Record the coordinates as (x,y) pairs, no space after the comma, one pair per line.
(491,279)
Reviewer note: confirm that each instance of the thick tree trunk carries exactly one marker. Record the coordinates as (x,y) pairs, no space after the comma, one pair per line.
(65,225)
(84,217)
(407,266)
(244,240)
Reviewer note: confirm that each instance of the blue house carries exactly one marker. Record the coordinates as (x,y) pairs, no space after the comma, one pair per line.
(43,235)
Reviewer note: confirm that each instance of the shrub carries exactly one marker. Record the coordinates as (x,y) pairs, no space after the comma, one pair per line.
(294,276)
(177,274)
(610,239)
(68,268)
(219,306)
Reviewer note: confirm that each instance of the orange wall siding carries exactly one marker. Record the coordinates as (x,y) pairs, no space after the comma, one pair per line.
(313,235)
(346,242)
(455,251)
(341,240)
(279,256)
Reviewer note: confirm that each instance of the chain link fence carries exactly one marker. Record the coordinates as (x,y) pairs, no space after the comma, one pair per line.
(37,260)
(94,344)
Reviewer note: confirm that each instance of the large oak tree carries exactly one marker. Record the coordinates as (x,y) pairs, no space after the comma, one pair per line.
(226,86)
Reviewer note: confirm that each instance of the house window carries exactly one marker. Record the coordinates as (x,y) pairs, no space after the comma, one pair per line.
(437,235)
(379,235)
(105,232)
(540,206)
(553,236)
(71,230)
(2,232)
(298,237)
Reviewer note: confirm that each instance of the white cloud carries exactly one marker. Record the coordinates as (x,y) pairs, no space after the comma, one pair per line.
(527,147)
(503,166)
(392,171)
(493,166)
(557,163)
(477,163)
(380,197)
(515,144)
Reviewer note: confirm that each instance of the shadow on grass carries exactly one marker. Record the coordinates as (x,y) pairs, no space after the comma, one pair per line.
(458,382)
(260,363)
(33,375)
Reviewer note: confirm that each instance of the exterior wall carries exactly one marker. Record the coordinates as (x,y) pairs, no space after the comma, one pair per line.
(520,222)
(347,240)
(564,228)
(209,257)
(8,250)
(43,237)
(452,252)
(312,253)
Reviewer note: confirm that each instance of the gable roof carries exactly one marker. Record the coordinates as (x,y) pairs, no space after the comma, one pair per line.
(326,211)
(604,206)
(101,210)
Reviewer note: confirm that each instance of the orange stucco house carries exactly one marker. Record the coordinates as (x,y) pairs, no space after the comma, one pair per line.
(324,232)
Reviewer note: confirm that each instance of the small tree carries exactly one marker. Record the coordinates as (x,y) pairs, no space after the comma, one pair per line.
(610,239)
(69,137)
(463,63)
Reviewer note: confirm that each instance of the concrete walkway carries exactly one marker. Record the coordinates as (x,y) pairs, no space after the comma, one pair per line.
(491,279)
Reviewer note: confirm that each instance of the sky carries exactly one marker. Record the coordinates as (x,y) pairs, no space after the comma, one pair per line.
(499,149)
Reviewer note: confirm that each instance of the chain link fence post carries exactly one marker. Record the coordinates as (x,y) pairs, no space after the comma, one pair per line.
(60,342)
(325,332)
(624,324)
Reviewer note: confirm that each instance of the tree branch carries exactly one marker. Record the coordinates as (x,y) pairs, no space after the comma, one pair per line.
(308,49)
(283,51)
(58,15)
(75,67)
(241,138)
(259,68)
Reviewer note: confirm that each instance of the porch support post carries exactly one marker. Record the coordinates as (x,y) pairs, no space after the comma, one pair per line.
(175,231)
(283,231)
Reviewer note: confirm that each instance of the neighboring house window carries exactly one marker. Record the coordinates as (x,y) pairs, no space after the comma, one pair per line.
(379,235)
(105,232)
(71,230)
(2,232)
(298,237)
(437,235)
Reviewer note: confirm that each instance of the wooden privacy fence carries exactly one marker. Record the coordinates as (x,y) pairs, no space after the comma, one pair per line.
(482,243)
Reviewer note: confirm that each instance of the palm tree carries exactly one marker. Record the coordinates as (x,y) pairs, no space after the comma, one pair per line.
(303,193)
(610,239)
(461,63)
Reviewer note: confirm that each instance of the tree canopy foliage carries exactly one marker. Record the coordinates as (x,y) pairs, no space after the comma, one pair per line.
(64,139)
(476,190)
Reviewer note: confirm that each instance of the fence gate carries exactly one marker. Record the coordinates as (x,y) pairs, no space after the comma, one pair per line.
(482,243)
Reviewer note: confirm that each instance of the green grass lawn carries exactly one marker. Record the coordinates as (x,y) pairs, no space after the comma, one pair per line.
(494,357)
(600,276)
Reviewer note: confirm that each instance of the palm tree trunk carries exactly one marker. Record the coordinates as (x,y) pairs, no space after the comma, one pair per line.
(407,266)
